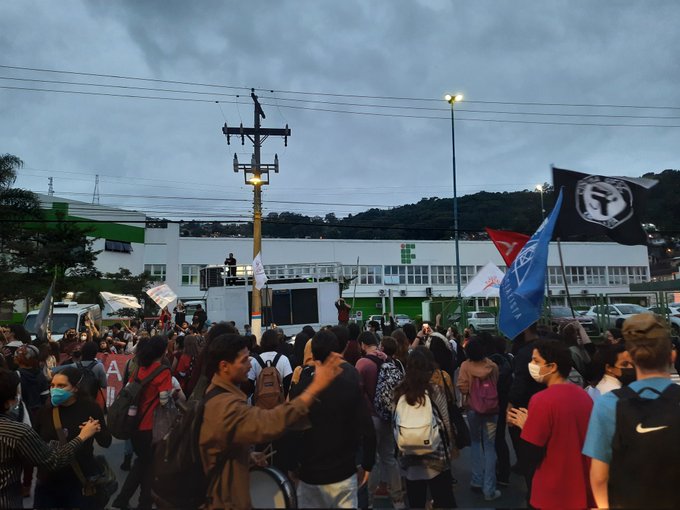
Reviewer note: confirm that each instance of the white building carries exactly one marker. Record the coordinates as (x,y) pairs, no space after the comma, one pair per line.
(410,271)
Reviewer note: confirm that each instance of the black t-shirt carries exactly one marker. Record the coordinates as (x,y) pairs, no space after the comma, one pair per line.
(71,418)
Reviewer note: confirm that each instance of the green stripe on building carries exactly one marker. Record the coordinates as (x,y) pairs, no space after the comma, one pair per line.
(99,229)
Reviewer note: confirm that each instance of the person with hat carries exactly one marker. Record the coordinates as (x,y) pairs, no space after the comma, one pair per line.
(633,432)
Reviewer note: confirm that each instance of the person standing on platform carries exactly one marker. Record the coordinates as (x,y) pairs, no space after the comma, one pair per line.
(343,312)
(230,262)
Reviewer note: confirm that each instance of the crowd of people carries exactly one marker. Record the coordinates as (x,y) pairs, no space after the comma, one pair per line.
(348,415)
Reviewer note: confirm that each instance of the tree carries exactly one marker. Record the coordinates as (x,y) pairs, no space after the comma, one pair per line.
(17,206)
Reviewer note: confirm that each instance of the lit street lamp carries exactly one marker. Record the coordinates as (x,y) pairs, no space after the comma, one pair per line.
(453,99)
(539,187)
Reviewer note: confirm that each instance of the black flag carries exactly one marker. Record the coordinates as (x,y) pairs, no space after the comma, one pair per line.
(42,321)
(597,204)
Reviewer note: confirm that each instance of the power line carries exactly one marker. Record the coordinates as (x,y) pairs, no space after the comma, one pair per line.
(328,110)
(330,94)
(341,103)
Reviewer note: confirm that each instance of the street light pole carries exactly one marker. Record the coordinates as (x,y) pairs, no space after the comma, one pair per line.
(452,99)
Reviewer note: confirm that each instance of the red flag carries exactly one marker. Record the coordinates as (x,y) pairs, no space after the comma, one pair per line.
(509,244)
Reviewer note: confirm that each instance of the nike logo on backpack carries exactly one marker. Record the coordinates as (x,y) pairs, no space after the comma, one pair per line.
(643,430)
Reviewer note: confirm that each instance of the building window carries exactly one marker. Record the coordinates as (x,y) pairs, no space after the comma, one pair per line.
(637,274)
(191,273)
(118,246)
(555,275)
(595,275)
(370,275)
(467,273)
(417,275)
(618,275)
(395,275)
(442,275)
(576,275)
(156,271)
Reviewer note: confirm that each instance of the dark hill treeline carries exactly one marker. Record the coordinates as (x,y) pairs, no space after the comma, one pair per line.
(432,218)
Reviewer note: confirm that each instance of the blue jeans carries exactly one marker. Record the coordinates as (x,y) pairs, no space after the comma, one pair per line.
(483,450)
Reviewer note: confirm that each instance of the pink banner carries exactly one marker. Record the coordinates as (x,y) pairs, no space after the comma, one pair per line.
(114,365)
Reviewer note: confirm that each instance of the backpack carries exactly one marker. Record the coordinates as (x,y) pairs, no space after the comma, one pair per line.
(644,471)
(268,385)
(417,431)
(178,477)
(390,375)
(483,396)
(124,414)
(89,384)
(375,359)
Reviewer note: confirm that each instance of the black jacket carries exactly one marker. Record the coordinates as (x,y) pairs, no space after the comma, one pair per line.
(341,426)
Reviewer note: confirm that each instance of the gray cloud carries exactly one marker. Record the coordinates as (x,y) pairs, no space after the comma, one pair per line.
(621,52)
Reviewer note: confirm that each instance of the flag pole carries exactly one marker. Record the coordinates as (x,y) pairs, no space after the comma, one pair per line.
(356,280)
(564,278)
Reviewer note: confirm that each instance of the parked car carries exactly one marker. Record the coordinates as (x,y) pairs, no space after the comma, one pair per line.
(672,311)
(481,321)
(561,315)
(614,312)
(400,319)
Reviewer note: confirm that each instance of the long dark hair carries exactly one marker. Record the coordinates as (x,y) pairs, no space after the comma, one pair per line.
(443,356)
(419,370)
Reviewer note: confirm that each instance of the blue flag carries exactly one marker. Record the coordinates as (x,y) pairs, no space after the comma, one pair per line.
(523,285)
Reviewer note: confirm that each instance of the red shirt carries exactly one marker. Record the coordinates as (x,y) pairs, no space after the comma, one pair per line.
(150,399)
(558,420)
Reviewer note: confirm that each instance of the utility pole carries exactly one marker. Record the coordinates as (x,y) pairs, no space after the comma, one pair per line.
(50,186)
(256,174)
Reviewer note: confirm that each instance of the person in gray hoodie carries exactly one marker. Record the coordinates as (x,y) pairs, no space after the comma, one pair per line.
(478,374)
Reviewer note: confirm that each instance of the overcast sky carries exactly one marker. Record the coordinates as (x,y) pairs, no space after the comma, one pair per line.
(497,53)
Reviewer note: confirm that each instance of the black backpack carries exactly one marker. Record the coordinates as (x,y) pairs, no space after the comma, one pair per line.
(89,384)
(124,413)
(178,477)
(644,471)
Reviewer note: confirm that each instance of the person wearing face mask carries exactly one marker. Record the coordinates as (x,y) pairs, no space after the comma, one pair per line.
(94,381)
(612,369)
(555,428)
(60,421)
(21,445)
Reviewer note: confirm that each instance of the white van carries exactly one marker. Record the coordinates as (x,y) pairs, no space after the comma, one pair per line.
(66,316)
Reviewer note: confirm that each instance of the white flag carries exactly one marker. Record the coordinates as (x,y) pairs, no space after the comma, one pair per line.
(118,301)
(162,295)
(486,283)
(258,272)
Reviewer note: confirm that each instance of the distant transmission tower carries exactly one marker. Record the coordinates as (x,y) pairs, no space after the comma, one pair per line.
(95,193)
(50,187)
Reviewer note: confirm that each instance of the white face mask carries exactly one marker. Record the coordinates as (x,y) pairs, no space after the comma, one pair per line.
(535,372)
(83,338)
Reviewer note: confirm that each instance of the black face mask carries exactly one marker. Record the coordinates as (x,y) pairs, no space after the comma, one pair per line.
(627,376)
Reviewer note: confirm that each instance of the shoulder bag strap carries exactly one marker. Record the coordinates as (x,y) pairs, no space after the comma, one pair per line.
(276,359)
(88,488)
(259,360)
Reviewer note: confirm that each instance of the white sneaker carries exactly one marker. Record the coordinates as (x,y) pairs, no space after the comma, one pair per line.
(495,495)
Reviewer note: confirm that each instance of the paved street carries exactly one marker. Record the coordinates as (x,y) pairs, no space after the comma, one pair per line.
(513,496)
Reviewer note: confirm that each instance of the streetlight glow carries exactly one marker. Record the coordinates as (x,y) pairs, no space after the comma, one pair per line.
(453,99)
(539,187)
